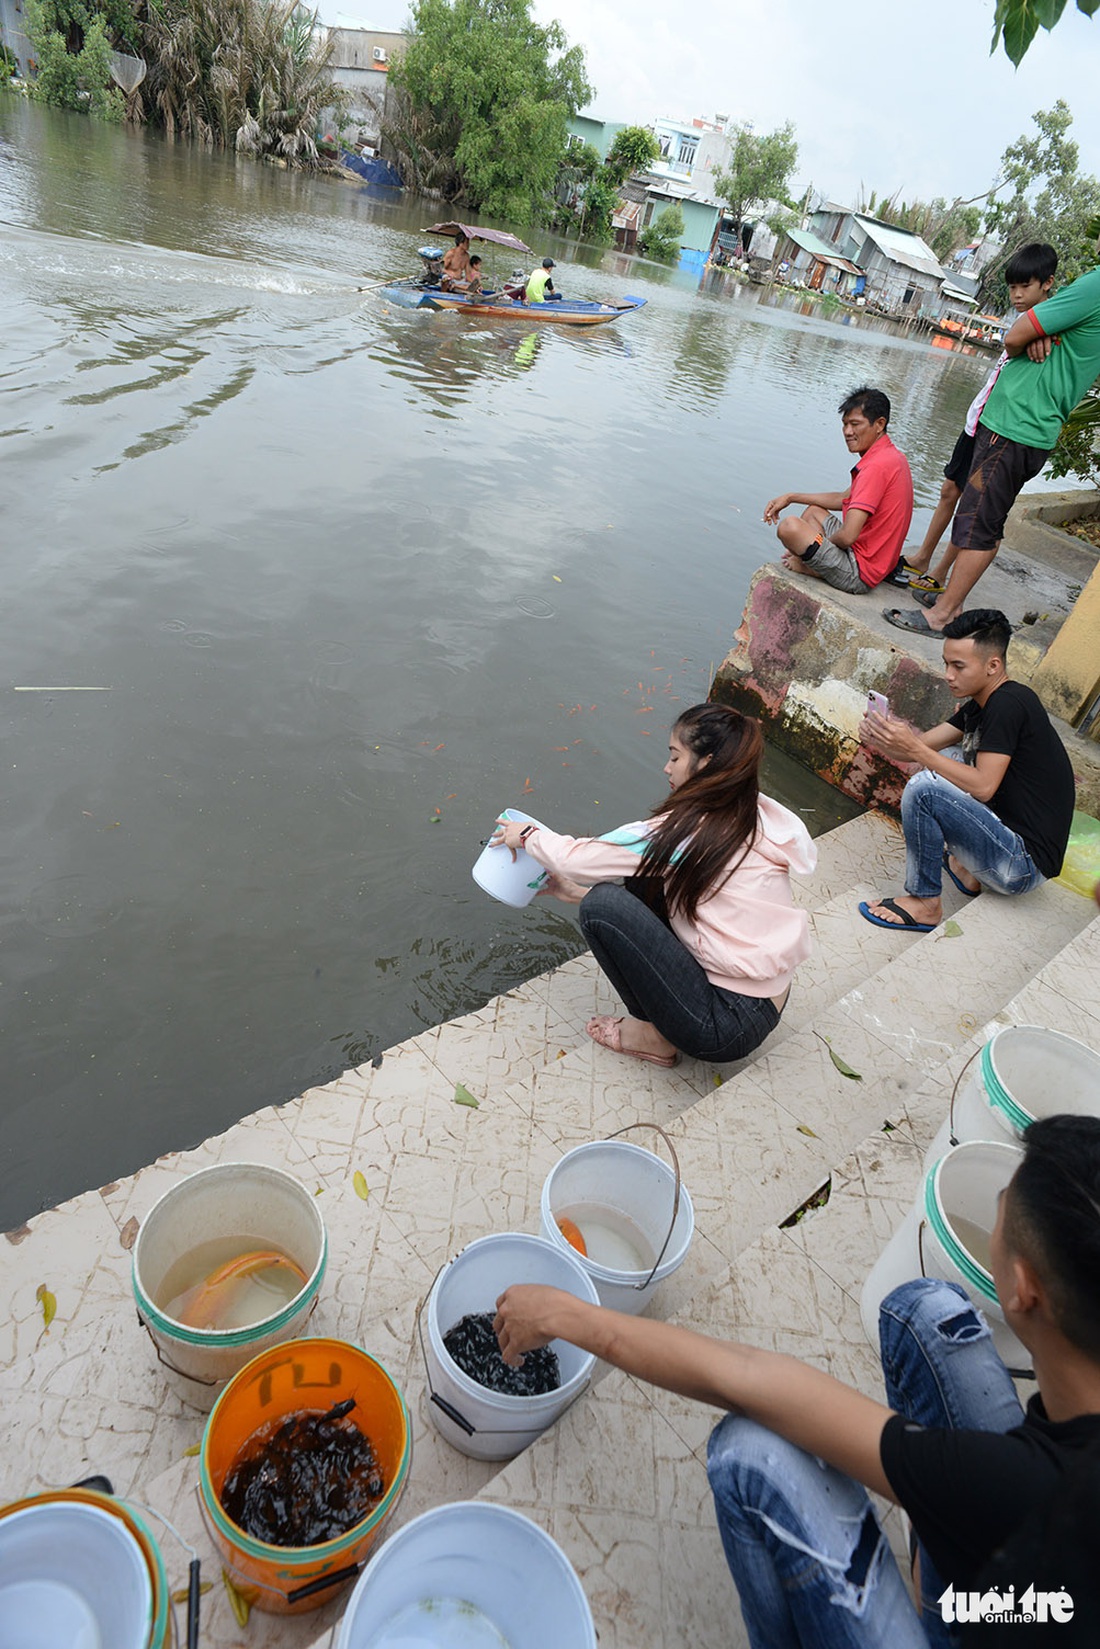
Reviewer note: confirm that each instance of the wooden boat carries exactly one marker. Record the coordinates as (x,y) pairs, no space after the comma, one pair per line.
(427,292)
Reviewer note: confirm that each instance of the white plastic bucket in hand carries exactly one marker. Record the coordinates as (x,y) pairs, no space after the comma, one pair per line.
(266,1207)
(72,1574)
(513,883)
(624,1179)
(1023,1072)
(963,1184)
(488,1558)
(490,1425)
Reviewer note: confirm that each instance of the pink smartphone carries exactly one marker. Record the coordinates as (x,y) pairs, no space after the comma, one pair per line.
(878,703)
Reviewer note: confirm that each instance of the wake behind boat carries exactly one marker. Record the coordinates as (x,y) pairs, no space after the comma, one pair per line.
(507,300)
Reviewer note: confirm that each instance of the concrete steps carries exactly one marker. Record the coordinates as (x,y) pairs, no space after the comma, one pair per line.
(619,1480)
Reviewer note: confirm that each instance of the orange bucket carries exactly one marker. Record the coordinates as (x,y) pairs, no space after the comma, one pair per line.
(301,1376)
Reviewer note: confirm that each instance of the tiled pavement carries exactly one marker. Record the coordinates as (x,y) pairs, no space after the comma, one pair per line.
(619,1481)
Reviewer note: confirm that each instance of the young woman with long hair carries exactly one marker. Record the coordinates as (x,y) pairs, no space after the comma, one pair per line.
(702,941)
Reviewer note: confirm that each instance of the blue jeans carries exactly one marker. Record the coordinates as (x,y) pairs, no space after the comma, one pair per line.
(811,1565)
(936,814)
(660,981)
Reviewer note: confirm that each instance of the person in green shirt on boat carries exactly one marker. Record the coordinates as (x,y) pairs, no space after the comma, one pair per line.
(540,288)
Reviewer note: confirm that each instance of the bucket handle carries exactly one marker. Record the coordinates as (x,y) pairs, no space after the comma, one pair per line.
(657,1129)
(954,1092)
(197,1378)
(250,1583)
(449,1409)
(1014,1373)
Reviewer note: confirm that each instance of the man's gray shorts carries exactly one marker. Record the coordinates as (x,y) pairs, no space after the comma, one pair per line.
(836,566)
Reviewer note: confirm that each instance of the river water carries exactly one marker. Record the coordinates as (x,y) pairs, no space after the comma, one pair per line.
(300,589)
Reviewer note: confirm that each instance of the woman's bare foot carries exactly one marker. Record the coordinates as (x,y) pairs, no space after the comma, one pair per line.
(636,1038)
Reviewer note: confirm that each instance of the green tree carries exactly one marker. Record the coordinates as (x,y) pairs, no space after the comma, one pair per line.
(1049,199)
(592,187)
(72,43)
(487,95)
(759,170)
(661,238)
(1017,22)
(635,148)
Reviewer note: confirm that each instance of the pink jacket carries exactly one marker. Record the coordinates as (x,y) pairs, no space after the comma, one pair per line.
(748,935)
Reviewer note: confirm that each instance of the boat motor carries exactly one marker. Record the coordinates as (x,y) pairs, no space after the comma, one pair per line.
(433,265)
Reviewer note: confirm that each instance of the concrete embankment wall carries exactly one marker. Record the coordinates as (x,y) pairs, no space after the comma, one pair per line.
(806,656)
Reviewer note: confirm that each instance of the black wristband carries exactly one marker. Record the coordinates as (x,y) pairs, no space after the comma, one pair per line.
(525,832)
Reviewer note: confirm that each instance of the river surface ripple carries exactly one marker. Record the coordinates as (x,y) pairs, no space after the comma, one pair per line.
(345,580)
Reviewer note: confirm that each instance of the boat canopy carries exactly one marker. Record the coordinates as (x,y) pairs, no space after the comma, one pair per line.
(474,231)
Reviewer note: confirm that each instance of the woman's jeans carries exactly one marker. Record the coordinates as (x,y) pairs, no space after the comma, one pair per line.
(660,981)
(936,814)
(811,1565)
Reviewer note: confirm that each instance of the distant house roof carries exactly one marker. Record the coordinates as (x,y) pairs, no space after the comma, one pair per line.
(821,250)
(900,246)
(950,290)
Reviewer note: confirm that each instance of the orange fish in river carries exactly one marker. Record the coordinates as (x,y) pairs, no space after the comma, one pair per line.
(203,1304)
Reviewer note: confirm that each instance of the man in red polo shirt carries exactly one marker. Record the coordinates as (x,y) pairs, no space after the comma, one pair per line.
(858,548)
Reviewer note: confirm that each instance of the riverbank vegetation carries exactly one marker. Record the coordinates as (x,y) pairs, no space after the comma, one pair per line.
(251,75)
(485,96)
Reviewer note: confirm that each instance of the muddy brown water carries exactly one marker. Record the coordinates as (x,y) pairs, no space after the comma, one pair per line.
(301,588)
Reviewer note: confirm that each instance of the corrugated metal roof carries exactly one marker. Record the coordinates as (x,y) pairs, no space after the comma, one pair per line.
(902,247)
(821,250)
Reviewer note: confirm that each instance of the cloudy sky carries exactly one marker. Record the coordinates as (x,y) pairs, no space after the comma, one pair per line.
(893,96)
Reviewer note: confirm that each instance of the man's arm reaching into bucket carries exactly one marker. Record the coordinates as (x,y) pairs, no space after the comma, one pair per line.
(808,1408)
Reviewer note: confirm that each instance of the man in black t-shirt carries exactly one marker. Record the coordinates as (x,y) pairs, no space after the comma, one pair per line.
(998,1499)
(998,817)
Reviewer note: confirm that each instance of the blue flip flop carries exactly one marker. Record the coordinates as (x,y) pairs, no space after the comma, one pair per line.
(971,892)
(908,924)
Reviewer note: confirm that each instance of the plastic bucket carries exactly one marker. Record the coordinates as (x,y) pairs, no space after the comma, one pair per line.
(1023,1072)
(512,883)
(74,1572)
(308,1376)
(264,1206)
(939,1237)
(429,1579)
(489,1425)
(615,1179)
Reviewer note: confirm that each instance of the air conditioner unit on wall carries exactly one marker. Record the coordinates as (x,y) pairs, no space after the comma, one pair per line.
(379,54)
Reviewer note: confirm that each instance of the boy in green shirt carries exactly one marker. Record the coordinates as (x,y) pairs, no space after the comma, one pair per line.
(1022,420)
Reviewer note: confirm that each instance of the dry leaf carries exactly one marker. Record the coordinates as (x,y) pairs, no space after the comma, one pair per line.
(48,1302)
(196,1448)
(128,1235)
(463,1096)
(358,1180)
(184,1592)
(555,577)
(802,1128)
(240,1605)
(318,1191)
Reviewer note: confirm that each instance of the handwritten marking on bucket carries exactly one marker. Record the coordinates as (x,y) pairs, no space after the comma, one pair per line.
(285,1379)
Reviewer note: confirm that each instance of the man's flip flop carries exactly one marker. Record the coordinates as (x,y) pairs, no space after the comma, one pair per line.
(904,619)
(927,598)
(925,581)
(903,575)
(908,924)
(971,892)
(608,1032)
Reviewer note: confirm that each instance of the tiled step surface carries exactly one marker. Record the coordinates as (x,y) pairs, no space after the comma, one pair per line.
(87,1395)
(624,1490)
